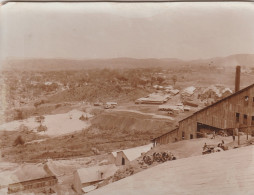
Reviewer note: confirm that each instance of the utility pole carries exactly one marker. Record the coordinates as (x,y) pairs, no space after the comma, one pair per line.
(238,138)
(238,134)
(247,133)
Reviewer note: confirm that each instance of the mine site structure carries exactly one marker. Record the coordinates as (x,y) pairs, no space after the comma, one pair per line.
(233,111)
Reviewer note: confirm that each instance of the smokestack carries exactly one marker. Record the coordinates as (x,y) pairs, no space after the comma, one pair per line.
(237,78)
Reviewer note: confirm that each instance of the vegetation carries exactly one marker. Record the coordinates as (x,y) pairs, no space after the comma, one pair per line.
(174,79)
(18,115)
(42,128)
(19,141)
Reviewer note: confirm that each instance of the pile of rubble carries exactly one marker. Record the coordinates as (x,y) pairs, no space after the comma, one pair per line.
(159,157)
(207,149)
(122,173)
(214,92)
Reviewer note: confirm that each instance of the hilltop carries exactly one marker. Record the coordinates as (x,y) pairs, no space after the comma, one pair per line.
(123,63)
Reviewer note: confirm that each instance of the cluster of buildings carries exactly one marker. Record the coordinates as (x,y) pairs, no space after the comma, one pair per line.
(233,111)
(45,178)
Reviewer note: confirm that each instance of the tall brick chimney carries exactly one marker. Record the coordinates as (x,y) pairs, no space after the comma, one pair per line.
(237,78)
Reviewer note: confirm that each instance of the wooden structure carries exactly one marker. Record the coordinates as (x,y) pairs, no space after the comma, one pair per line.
(228,113)
(121,159)
(166,138)
(41,183)
(87,179)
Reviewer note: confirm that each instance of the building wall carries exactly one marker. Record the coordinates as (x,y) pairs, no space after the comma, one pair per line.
(77,183)
(119,156)
(32,184)
(221,115)
(166,138)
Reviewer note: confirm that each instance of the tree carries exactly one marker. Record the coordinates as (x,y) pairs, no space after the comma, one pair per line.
(18,141)
(174,79)
(19,115)
(42,128)
(160,80)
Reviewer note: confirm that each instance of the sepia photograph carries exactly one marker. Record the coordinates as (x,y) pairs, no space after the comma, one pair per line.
(126,98)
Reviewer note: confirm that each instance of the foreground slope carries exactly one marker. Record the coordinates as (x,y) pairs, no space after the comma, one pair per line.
(229,172)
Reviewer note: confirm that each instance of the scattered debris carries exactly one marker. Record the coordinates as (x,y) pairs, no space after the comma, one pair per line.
(207,149)
(215,92)
(178,107)
(98,104)
(188,103)
(187,108)
(110,105)
(158,157)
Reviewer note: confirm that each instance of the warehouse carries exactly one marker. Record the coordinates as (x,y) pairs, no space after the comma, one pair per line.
(234,111)
(228,113)
(168,137)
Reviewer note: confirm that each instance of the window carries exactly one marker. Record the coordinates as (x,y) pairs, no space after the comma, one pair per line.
(237,117)
(246,100)
(252,120)
(245,119)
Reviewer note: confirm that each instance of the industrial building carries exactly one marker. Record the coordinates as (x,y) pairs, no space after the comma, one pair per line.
(88,179)
(234,111)
(31,177)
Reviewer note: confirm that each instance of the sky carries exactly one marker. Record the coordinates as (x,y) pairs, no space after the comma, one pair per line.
(138,30)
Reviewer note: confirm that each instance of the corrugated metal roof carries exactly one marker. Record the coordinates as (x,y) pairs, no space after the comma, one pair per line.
(96,173)
(134,153)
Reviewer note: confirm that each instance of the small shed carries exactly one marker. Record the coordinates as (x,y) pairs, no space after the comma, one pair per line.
(29,177)
(89,178)
(121,159)
(124,157)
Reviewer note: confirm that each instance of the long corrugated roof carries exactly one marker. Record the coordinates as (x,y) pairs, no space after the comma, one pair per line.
(134,153)
(91,174)
(236,93)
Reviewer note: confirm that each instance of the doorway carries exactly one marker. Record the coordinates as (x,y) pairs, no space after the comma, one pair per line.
(123,161)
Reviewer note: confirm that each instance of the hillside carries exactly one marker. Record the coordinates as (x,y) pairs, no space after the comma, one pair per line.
(228,172)
(71,64)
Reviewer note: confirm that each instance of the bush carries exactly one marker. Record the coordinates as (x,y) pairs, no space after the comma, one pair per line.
(19,115)
(42,128)
(58,105)
(19,141)
(23,127)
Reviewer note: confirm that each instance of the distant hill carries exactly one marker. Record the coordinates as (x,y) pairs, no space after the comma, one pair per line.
(70,64)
